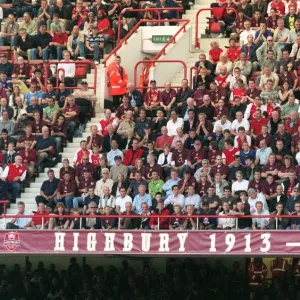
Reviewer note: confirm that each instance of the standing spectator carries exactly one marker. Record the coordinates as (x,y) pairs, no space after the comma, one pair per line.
(117,81)
(71,113)
(14,174)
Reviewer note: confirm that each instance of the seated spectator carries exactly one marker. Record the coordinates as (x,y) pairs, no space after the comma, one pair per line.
(68,76)
(176,223)
(91,197)
(40,219)
(162,222)
(79,168)
(118,168)
(108,223)
(212,199)
(91,222)
(205,222)
(174,123)
(122,200)
(214,53)
(38,124)
(294,223)
(269,44)
(24,45)
(48,190)
(66,191)
(82,152)
(5,140)
(104,26)
(115,151)
(85,183)
(9,31)
(174,198)
(139,198)
(29,157)
(103,182)
(120,182)
(45,147)
(127,125)
(132,154)
(260,223)
(281,34)
(226,223)
(42,43)
(155,184)
(240,184)
(126,222)
(192,199)
(59,221)
(75,44)
(32,93)
(20,223)
(59,133)
(14,174)
(28,24)
(6,66)
(9,154)
(224,62)
(58,44)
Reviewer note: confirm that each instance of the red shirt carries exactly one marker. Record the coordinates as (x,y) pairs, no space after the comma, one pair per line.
(152,97)
(104,23)
(239,93)
(28,156)
(104,124)
(61,39)
(221,80)
(256,125)
(37,217)
(84,11)
(75,108)
(215,54)
(95,160)
(233,53)
(280,8)
(229,155)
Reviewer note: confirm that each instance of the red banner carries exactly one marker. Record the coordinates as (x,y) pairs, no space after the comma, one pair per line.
(179,242)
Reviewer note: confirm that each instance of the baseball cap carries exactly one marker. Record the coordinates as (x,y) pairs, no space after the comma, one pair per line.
(84,82)
(118,157)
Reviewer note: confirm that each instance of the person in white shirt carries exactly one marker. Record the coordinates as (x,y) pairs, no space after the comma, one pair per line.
(115,151)
(226,223)
(20,223)
(192,198)
(239,122)
(244,35)
(260,223)
(233,79)
(258,104)
(175,197)
(254,197)
(240,184)
(122,200)
(174,123)
(69,69)
(224,123)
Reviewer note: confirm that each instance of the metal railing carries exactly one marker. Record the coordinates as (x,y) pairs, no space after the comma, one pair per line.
(191,74)
(156,10)
(134,29)
(198,217)
(81,62)
(197,43)
(158,61)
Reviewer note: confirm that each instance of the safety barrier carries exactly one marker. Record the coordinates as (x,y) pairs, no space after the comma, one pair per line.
(191,74)
(81,62)
(197,43)
(158,217)
(158,61)
(156,10)
(134,29)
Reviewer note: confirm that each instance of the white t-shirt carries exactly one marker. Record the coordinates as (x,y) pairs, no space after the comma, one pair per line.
(240,186)
(121,202)
(244,36)
(236,124)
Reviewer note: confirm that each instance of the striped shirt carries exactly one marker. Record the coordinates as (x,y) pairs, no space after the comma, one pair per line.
(99,38)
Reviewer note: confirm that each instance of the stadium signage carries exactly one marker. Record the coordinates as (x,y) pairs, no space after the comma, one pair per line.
(161,39)
(134,242)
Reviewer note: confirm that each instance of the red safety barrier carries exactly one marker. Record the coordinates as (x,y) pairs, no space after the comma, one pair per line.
(197,43)
(156,10)
(81,62)
(191,74)
(4,202)
(134,29)
(158,61)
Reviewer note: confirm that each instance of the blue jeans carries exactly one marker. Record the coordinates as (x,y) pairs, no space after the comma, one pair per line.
(71,130)
(8,40)
(81,50)
(16,187)
(77,201)
(68,201)
(56,52)
(58,144)
(35,54)
(96,51)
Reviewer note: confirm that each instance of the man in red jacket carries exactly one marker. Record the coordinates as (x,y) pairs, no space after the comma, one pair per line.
(13,174)
(162,222)
(132,154)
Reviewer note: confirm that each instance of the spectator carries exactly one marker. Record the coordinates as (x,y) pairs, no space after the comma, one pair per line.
(162,222)
(142,196)
(174,198)
(127,222)
(69,70)
(226,223)
(118,168)
(95,42)
(260,223)
(24,45)
(60,222)
(294,223)
(40,219)
(115,151)
(79,15)
(91,222)
(91,197)
(9,31)
(66,191)
(42,43)
(28,24)
(48,190)
(58,44)
(122,200)
(103,182)
(14,174)
(7,124)
(20,223)
(205,222)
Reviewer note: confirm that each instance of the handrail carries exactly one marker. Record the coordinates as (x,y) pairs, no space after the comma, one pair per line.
(4,202)
(172,40)
(191,74)
(197,44)
(87,62)
(134,29)
(157,61)
(154,9)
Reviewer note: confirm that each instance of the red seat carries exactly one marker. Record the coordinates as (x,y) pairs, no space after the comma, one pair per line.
(81,70)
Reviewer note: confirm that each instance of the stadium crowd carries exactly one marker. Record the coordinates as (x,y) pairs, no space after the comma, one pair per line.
(225,144)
